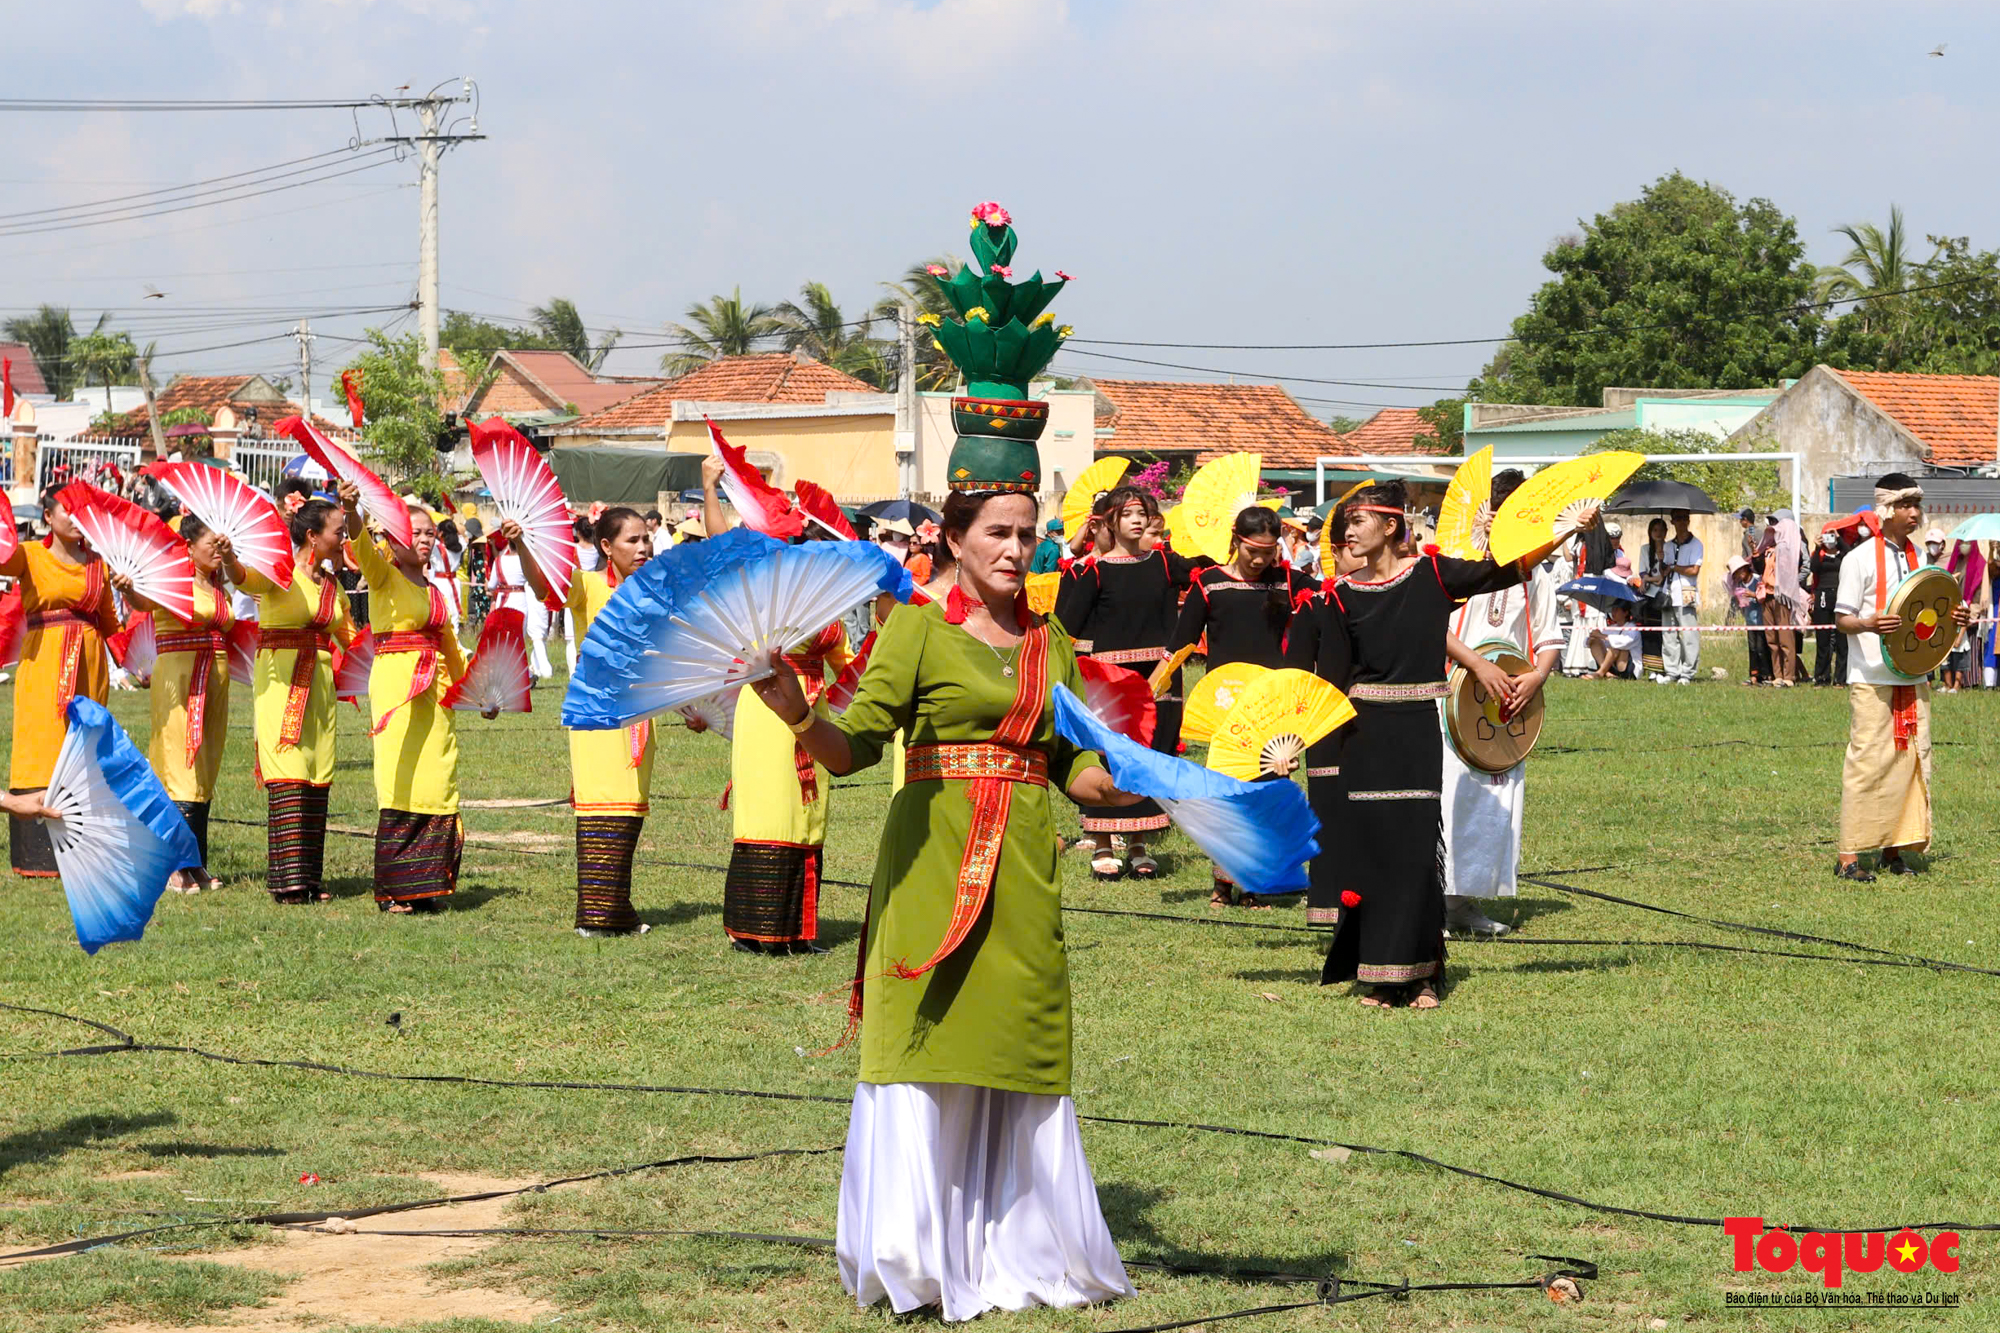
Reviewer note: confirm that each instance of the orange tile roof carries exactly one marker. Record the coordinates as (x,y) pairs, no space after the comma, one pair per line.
(557,378)
(1956,416)
(1212,419)
(26,371)
(1393,430)
(208,393)
(773,377)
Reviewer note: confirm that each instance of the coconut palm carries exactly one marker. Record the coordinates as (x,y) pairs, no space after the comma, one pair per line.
(48,333)
(1878,263)
(723,327)
(816,326)
(916,290)
(562,326)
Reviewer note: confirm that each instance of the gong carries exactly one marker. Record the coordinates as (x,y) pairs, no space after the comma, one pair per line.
(1924,600)
(1485,738)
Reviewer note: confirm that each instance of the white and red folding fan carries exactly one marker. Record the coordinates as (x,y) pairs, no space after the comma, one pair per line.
(763,506)
(497,675)
(243,651)
(133,542)
(350,677)
(12,624)
(716,712)
(377,500)
(1121,698)
(231,507)
(525,489)
(142,645)
(10,539)
(841,692)
(817,504)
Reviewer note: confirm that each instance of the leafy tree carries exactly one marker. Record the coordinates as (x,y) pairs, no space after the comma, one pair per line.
(725,326)
(816,326)
(404,417)
(1755,483)
(474,341)
(1947,322)
(1878,263)
(1446,418)
(562,328)
(48,334)
(1682,287)
(1343,424)
(916,289)
(108,358)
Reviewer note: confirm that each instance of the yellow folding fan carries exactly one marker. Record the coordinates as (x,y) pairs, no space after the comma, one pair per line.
(1093,481)
(1273,721)
(1209,702)
(1042,591)
(1467,511)
(1545,508)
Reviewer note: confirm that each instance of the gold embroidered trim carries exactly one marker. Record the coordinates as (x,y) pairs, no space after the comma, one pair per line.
(1328,771)
(1118,656)
(1401,794)
(1390,974)
(969,762)
(1384,692)
(1322,916)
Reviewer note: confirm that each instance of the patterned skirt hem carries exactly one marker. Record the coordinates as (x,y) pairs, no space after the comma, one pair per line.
(1391,974)
(1143,824)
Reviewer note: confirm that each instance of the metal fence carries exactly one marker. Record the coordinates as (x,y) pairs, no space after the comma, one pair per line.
(74,458)
(262,462)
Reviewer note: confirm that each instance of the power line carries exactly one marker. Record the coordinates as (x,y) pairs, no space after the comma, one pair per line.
(236,194)
(183,104)
(71,248)
(175,189)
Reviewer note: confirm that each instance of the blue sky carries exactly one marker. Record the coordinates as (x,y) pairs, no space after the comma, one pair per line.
(1258,171)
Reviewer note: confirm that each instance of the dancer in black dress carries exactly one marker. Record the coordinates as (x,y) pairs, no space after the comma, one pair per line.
(1244,607)
(1118,604)
(1379,635)
(1325,656)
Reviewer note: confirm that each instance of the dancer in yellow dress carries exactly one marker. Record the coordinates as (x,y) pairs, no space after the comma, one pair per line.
(292,697)
(190,691)
(418,836)
(66,609)
(611,772)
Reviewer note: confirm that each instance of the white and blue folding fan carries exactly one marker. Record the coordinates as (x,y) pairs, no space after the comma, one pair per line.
(118,837)
(1260,833)
(703,617)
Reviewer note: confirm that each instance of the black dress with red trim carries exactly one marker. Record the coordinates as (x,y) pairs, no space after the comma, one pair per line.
(1311,645)
(1382,837)
(1245,620)
(1120,609)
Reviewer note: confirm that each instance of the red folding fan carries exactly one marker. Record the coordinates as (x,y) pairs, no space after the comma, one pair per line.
(12,623)
(350,674)
(497,675)
(243,651)
(763,506)
(841,692)
(231,507)
(134,542)
(1121,698)
(377,500)
(524,489)
(137,647)
(815,503)
(9,538)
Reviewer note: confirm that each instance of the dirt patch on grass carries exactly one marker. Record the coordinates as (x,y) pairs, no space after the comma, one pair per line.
(512,802)
(340,1279)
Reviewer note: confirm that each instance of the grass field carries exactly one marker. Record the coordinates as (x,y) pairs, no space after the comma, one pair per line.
(1673,1080)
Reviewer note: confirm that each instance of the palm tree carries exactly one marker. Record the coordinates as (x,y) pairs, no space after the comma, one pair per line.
(563,328)
(1879,261)
(108,358)
(48,333)
(917,290)
(820,330)
(723,327)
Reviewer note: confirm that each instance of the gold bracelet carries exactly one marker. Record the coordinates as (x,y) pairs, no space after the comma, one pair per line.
(805,724)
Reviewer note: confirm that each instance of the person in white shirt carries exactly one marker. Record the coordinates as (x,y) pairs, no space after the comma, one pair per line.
(1482,811)
(510,588)
(1680,645)
(1885,780)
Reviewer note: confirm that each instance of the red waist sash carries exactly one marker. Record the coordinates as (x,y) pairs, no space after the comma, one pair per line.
(206,644)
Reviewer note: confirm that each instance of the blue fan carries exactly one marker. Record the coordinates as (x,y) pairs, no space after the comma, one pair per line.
(118,837)
(1260,833)
(703,617)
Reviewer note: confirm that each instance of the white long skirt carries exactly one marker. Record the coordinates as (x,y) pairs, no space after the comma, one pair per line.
(1482,827)
(1576,658)
(970,1198)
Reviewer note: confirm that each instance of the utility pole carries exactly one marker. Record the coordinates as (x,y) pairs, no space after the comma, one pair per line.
(436,136)
(906,398)
(305,335)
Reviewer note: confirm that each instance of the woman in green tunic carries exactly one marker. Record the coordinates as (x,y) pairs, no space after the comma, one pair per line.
(964,1183)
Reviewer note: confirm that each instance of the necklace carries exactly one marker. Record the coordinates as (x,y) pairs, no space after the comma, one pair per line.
(1006,667)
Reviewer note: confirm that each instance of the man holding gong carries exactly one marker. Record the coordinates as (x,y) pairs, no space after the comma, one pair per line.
(1885,802)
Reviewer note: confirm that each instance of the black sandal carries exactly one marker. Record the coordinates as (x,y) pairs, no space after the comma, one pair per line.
(1852,870)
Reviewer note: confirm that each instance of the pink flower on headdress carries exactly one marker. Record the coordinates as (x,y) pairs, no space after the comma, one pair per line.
(1064,276)
(927,531)
(596,511)
(937,270)
(293,503)
(991,214)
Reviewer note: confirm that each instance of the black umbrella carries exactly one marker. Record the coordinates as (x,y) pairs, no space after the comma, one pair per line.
(1660,497)
(908,510)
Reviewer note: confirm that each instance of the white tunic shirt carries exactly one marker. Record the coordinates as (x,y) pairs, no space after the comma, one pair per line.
(1856,597)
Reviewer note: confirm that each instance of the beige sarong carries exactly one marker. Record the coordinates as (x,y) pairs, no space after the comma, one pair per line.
(1885,793)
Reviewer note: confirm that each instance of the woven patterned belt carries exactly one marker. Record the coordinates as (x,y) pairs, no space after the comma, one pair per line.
(973,760)
(1117,656)
(279,640)
(409,641)
(193,641)
(59,616)
(1379,692)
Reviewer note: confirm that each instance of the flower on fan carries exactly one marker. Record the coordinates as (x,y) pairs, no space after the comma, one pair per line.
(991,214)
(936,270)
(1349,898)
(928,318)
(977,312)
(1002,271)
(1042,320)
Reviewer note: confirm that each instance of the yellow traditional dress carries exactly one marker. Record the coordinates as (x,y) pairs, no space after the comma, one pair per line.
(293,701)
(66,610)
(417,833)
(779,799)
(611,782)
(190,700)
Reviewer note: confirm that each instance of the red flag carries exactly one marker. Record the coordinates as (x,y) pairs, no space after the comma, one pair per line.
(762,505)
(7,387)
(350,383)
(814,501)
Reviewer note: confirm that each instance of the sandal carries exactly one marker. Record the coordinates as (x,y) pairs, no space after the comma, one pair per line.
(1424,997)
(1142,865)
(1104,864)
(1896,865)
(294,896)
(1375,999)
(1852,870)
(1219,895)
(1249,902)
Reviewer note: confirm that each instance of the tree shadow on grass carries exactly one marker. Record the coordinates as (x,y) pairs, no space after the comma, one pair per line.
(1304,976)
(1541,966)
(83,1131)
(1125,1207)
(681,913)
(178,1149)
(1518,912)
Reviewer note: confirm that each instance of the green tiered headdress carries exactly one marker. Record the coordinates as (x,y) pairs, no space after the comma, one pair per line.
(1004,341)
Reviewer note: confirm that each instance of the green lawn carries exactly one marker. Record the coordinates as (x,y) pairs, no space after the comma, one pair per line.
(1673,1080)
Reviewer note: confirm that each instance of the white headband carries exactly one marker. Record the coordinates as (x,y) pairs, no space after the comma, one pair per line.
(1885,500)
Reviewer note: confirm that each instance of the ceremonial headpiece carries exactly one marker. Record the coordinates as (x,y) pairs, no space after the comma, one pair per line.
(1002,339)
